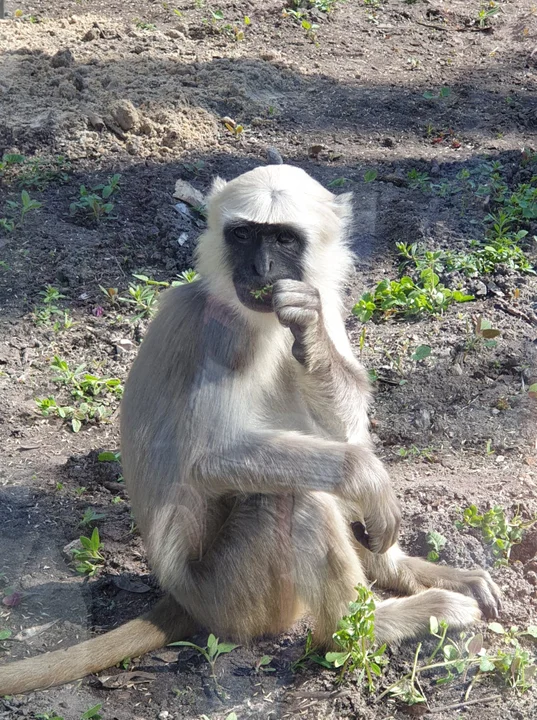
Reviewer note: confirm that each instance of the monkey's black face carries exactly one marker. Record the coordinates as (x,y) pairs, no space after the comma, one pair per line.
(260,254)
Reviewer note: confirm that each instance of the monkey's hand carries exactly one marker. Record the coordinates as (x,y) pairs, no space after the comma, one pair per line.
(298,307)
(368,486)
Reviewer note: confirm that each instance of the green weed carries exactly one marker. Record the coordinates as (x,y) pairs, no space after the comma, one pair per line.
(91,516)
(355,636)
(498,531)
(88,559)
(436,542)
(465,655)
(211,652)
(95,202)
(407,298)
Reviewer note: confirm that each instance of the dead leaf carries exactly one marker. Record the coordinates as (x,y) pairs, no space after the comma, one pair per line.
(128,679)
(188,193)
(33,631)
(123,582)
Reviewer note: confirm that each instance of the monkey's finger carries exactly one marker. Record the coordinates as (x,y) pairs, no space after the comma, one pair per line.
(295,299)
(297,316)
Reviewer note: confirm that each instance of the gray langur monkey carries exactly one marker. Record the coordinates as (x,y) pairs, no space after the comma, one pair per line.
(246,451)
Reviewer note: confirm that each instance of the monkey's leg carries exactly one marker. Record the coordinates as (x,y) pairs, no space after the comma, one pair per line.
(328,569)
(397,571)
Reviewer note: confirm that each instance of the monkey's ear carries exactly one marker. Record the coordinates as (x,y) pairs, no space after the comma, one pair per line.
(343,207)
(217,185)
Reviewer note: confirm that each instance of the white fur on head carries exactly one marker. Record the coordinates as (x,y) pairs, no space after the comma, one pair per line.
(278,194)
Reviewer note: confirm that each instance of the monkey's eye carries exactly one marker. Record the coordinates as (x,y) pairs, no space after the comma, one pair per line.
(285,238)
(241,233)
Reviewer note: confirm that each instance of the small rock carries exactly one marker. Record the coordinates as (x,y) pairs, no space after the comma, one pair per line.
(164,715)
(134,146)
(124,346)
(500,458)
(96,121)
(125,114)
(479,288)
(63,58)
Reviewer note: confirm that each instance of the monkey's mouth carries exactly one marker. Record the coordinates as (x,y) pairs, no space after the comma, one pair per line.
(259,299)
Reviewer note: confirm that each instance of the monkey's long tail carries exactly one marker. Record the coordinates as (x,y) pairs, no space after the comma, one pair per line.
(165,623)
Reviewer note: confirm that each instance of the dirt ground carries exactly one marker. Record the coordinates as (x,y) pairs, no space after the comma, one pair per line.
(90,89)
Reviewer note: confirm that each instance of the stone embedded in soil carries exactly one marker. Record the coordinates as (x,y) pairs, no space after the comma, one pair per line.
(125,114)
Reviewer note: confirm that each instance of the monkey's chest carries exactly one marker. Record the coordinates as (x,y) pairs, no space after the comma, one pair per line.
(286,409)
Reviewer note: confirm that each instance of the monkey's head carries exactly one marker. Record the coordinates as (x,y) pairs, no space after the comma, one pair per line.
(272,223)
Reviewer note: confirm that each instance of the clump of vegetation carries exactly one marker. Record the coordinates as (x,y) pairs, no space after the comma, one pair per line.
(355,636)
(512,663)
(88,559)
(44,314)
(143,295)
(84,388)
(407,298)
(498,531)
(33,173)
(95,202)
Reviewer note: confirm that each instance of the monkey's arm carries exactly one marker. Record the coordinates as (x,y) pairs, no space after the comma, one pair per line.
(335,387)
(287,462)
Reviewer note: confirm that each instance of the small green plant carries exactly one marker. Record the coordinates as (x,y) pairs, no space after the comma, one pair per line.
(90,516)
(370,176)
(95,202)
(93,713)
(88,559)
(415,452)
(44,314)
(109,456)
(211,652)
(436,542)
(144,295)
(19,209)
(421,353)
(143,298)
(355,636)
(498,531)
(486,13)
(261,665)
(34,173)
(143,25)
(418,180)
(443,93)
